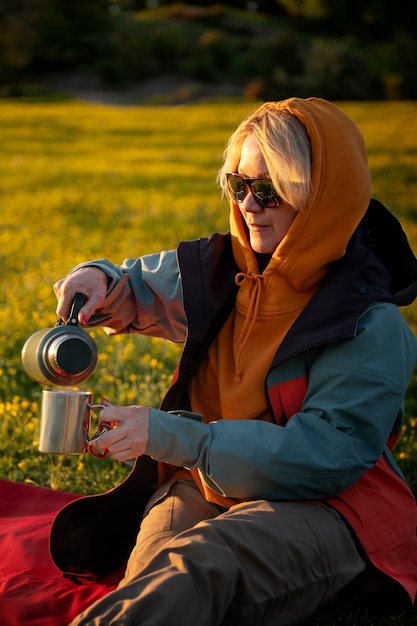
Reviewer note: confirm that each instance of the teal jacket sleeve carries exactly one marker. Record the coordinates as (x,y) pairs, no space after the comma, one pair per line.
(354,397)
(144,296)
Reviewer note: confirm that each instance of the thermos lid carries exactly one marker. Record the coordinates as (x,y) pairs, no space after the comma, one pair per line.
(69,355)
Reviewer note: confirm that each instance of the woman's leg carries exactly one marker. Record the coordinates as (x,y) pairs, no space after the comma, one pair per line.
(176,506)
(260,563)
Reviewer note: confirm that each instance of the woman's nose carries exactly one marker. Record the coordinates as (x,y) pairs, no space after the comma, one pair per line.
(249,204)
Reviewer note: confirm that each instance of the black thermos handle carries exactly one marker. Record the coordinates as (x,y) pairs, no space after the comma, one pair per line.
(79,300)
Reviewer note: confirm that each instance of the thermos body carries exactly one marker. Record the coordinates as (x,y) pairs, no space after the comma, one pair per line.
(64,355)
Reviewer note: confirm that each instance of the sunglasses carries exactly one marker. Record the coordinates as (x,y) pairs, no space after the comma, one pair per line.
(262,190)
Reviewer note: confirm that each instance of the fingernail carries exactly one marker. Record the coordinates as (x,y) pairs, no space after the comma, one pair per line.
(84,320)
(105,400)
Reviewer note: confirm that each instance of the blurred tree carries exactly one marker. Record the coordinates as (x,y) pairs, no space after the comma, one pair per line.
(18,35)
(397,61)
(73,32)
(373,18)
(38,35)
(266,6)
(384,32)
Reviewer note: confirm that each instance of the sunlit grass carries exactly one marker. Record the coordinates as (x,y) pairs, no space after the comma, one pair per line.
(81,181)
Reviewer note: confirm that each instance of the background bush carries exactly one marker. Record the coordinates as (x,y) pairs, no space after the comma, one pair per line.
(344,50)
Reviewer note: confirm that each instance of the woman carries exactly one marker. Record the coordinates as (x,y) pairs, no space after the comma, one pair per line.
(277,488)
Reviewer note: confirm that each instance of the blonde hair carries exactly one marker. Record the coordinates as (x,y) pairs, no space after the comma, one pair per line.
(285,146)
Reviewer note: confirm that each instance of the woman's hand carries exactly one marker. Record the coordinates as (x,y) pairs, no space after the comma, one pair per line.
(129,436)
(91,282)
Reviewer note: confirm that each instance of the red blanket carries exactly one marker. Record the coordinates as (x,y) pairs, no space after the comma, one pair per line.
(33,592)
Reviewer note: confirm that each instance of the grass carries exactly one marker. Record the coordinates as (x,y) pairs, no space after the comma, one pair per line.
(80,181)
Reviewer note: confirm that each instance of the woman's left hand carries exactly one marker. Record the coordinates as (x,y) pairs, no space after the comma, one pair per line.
(129,436)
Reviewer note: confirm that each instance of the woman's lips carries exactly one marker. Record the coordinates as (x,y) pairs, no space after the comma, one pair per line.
(257,227)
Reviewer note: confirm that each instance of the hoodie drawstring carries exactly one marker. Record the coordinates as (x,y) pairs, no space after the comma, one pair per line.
(251,314)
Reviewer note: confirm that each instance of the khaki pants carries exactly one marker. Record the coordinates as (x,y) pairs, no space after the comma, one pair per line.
(257,564)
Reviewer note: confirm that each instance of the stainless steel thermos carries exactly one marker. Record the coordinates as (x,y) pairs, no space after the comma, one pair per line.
(64,355)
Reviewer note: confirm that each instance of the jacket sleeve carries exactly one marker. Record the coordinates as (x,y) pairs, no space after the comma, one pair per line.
(144,296)
(354,397)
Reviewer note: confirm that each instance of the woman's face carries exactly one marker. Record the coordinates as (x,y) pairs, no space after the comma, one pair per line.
(267,226)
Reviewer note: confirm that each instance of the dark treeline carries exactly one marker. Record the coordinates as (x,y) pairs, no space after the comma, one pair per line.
(349,49)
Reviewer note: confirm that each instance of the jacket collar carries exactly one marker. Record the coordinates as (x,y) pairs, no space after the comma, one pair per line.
(379,266)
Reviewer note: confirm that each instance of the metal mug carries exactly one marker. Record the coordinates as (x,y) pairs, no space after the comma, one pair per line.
(65,355)
(66,421)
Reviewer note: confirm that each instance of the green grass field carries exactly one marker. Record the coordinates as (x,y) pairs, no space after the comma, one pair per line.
(81,181)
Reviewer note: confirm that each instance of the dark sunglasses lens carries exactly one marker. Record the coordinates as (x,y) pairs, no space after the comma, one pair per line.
(237,187)
(265,193)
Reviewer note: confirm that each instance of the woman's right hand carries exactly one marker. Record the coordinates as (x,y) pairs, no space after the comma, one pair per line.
(91,282)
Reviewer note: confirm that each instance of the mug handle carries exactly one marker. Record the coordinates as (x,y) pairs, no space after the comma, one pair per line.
(103,428)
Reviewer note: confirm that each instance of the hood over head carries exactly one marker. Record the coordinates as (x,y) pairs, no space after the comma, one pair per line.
(338,200)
